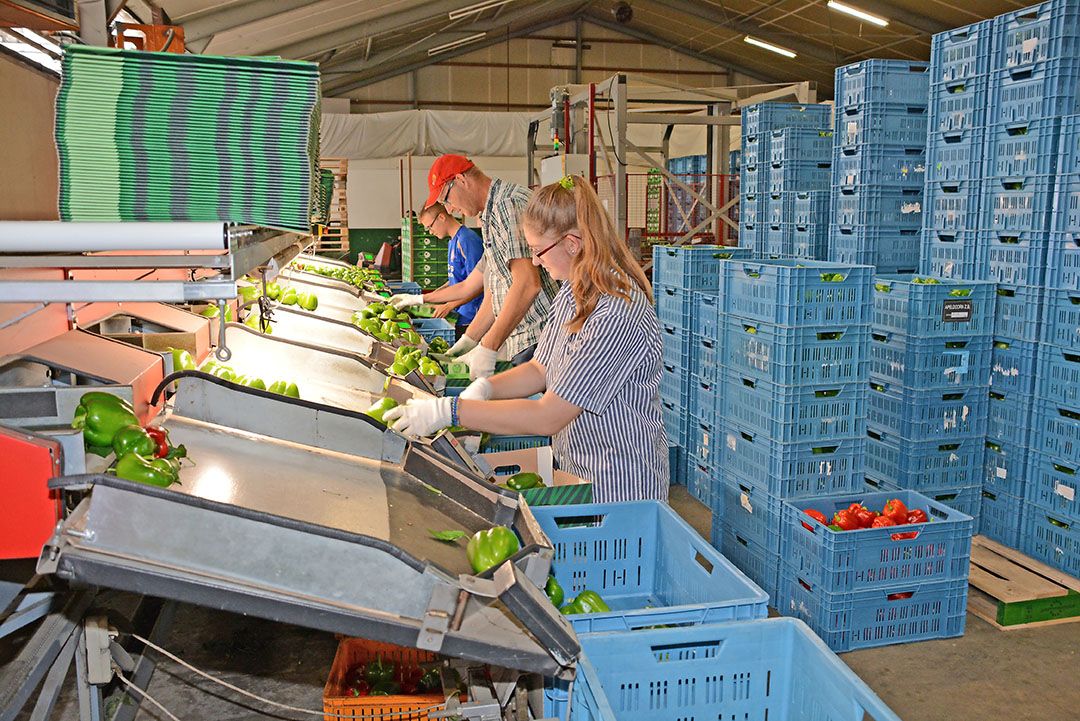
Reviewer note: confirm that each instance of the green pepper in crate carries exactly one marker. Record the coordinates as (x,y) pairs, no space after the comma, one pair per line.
(487,549)
(586,602)
(554,591)
(100,416)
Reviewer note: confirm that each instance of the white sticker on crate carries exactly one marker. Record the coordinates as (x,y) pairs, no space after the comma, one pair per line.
(1001,472)
(732,442)
(1029,45)
(744,501)
(1066,492)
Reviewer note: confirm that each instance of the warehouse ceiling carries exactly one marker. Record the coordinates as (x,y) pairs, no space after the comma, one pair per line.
(360,42)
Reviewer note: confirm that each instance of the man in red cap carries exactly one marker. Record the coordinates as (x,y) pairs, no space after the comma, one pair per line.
(517,294)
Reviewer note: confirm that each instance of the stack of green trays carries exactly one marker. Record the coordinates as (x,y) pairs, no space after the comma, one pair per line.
(147,136)
(423,256)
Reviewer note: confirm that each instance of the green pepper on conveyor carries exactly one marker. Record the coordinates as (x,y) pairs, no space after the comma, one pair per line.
(100,416)
(134,439)
(554,591)
(134,467)
(586,602)
(487,549)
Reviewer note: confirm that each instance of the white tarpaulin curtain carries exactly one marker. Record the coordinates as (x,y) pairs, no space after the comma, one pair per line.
(424,132)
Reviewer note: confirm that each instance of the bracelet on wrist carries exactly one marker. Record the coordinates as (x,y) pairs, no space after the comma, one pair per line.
(454,419)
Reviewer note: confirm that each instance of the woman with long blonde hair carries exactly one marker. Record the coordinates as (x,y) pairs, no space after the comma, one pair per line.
(597,362)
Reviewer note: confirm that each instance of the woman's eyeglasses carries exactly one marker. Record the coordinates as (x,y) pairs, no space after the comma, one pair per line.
(540,254)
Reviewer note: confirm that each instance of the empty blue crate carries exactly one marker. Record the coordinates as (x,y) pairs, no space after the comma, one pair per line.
(914,362)
(955,155)
(647,563)
(877,617)
(1065,217)
(703,484)
(795,292)
(675,385)
(693,267)
(881,81)
(811,207)
(889,250)
(1012,366)
(1015,258)
(889,166)
(876,206)
(772,668)
(766,117)
(881,124)
(961,53)
(703,399)
(1018,204)
(751,153)
(1051,537)
(1000,517)
(1023,150)
(707,315)
(1017,311)
(676,422)
(800,145)
(808,175)
(953,204)
(1054,484)
(1056,430)
(933,307)
(951,254)
(958,105)
(779,208)
(761,566)
(791,414)
(792,355)
(1043,32)
(965,499)
(431,328)
(1005,467)
(1058,374)
(810,241)
(675,350)
(1042,90)
(791,470)
(919,465)
(1069,146)
(1061,318)
(875,558)
(934,414)
(750,512)
(705,355)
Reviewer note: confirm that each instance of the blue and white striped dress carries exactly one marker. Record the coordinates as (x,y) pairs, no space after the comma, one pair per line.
(611,370)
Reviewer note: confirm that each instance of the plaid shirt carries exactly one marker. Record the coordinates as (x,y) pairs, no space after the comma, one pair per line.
(504,241)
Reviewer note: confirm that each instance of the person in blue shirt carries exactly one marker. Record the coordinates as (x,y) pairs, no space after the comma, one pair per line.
(464,252)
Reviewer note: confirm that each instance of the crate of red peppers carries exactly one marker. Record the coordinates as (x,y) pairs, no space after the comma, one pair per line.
(874,540)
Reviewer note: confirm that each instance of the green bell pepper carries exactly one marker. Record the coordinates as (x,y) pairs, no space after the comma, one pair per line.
(100,416)
(134,439)
(586,602)
(182,360)
(379,409)
(524,481)
(554,591)
(487,549)
(134,467)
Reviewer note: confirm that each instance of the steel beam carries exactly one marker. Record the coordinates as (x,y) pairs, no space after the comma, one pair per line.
(205,25)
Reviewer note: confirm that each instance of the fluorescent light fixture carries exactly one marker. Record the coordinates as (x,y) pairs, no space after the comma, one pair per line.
(477,8)
(455,44)
(769,46)
(857,13)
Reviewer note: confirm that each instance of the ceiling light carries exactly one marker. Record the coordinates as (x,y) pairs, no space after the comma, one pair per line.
(455,44)
(856,12)
(769,46)
(477,8)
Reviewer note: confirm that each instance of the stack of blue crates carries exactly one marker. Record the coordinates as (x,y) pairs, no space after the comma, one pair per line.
(682,276)
(759,122)
(797,204)
(929,372)
(879,160)
(684,211)
(792,390)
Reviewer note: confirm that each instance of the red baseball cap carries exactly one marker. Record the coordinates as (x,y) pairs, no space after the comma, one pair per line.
(443,169)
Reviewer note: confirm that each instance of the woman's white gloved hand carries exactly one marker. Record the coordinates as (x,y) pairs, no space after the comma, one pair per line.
(420,417)
(479,390)
(405,300)
(481,362)
(464,345)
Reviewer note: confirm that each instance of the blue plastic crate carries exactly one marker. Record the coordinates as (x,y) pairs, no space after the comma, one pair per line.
(404,286)
(772,668)
(1012,367)
(1069,147)
(806,176)
(1005,468)
(1051,538)
(919,465)
(796,292)
(881,81)
(882,124)
(872,558)
(934,414)
(1017,310)
(790,414)
(704,397)
(703,484)
(876,165)
(691,267)
(675,385)
(958,105)
(1054,485)
(750,154)
(951,254)
(904,613)
(431,328)
(878,207)
(1015,258)
(889,250)
(779,242)
(1038,33)
(767,117)
(933,310)
(750,512)
(676,464)
(792,355)
(811,208)
(961,53)
(1022,150)
(751,209)
(1061,318)
(914,362)
(955,155)
(673,305)
(706,315)
(1056,430)
(779,208)
(676,345)
(761,566)
(676,421)
(953,204)
(705,357)
(647,563)
(791,470)
(1043,90)
(1000,517)
(800,145)
(1058,374)
(1018,205)
(1065,217)
(966,500)
(499,444)
(810,241)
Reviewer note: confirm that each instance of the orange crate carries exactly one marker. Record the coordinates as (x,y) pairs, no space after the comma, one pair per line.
(353,652)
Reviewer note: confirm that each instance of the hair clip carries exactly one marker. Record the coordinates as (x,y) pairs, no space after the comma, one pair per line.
(567,182)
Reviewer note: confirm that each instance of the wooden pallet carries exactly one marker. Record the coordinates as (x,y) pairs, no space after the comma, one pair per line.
(1011,590)
(335,234)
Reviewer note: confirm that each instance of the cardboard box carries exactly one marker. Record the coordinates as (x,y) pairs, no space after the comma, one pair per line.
(562,488)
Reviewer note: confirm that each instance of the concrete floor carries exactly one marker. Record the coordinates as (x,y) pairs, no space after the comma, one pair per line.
(986,675)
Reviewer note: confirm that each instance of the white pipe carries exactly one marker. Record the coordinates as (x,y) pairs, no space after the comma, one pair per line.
(54,236)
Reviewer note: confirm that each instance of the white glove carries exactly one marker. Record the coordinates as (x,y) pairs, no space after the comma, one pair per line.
(479,390)
(463,345)
(405,300)
(420,417)
(481,362)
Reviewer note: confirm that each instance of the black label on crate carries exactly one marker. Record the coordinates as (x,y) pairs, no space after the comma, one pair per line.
(956,311)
